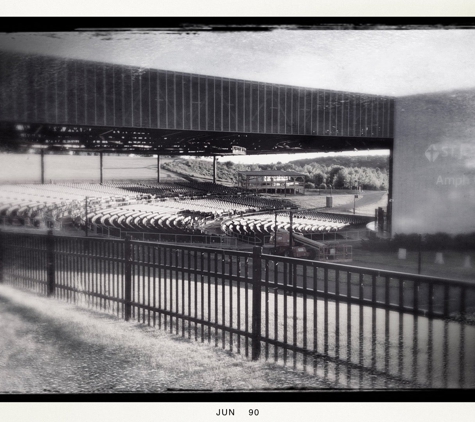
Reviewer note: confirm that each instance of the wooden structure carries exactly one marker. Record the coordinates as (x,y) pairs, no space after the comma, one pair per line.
(272,181)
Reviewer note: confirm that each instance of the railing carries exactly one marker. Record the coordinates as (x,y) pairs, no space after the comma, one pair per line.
(209,240)
(353,327)
(41,223)
(339,236)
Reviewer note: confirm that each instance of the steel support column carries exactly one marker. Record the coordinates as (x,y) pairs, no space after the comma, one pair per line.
(158,168)
(101,163)
(42,167)
(389,212)
(214,169)
(291,229)
(85,217)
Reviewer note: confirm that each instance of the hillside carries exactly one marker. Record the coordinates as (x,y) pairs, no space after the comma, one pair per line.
(369,161)
(371,173)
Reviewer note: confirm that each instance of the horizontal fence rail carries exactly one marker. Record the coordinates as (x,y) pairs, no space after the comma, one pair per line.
(352,327)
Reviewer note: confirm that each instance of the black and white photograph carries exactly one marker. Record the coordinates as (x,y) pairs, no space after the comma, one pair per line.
(218,208)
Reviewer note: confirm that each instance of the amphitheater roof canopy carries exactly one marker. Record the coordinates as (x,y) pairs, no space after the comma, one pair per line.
(272,173)
(67,104)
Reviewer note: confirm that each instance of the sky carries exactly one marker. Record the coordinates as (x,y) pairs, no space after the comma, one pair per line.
(382,62)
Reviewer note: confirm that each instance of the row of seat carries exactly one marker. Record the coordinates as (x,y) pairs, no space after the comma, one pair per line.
(212,188)
(265,224)
(27,204)
(121,205)
(146,218)
(262,203)
(157,189)
(342,218)
(173,215)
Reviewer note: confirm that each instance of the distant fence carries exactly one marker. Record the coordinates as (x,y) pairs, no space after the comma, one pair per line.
(353,327)
(210,240)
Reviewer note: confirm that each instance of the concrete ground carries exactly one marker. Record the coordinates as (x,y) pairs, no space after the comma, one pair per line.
(48,346)
(366,202)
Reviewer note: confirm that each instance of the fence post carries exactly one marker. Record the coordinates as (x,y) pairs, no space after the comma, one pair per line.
(2,256)
(256,302)
(128,277)
(50,270)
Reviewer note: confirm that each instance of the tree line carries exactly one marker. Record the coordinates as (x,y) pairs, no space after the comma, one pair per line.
(353,172)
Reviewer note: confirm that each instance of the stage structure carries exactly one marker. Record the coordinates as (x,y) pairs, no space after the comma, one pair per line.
(272,181)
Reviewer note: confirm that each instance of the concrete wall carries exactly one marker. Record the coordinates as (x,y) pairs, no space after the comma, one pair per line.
(434,163)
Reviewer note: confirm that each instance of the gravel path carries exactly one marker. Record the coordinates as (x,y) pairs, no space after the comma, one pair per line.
(48,346)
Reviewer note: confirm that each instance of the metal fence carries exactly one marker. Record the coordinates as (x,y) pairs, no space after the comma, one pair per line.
(353,327)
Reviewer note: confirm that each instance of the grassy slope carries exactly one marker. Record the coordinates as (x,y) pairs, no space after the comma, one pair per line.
(50,346)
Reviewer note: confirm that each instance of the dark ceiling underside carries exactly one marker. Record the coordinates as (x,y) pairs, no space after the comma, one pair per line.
(24,137)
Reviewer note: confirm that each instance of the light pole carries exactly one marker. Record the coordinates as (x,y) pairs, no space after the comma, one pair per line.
(291,232)
(275,233)
(354,204)
(419,260)
(85,217)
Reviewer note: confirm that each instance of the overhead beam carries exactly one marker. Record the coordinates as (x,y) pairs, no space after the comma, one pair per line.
(158,141)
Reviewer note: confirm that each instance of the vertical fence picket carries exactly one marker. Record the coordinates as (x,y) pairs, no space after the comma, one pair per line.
(285,315)
(256,302)
(238,305)
(216,330)
(195,296)
(177,290)
(325,322)
(348,327)
(294,316)
(128,278)
(361,329)
(223,299)
(462,368)
(183,290)
(315,318)
(208,266)
(276,309)
(231,308)
(189,290)
(50,263)
(2,257)
(386,328)
(305,314)
(373,326)
(337,325)
(145,278)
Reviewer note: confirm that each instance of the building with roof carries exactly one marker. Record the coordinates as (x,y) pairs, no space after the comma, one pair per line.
(272,181)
